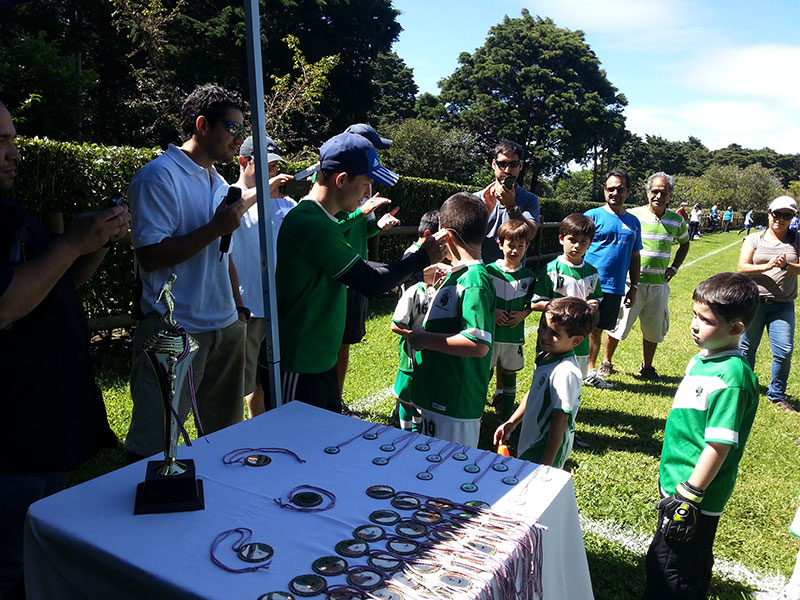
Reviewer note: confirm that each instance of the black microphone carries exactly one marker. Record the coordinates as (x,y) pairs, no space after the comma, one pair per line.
(234,194)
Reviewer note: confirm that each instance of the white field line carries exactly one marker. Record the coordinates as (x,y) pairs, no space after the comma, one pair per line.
(699,258)
(638,544)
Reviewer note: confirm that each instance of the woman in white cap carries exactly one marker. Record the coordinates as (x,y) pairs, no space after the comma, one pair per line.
(772,259)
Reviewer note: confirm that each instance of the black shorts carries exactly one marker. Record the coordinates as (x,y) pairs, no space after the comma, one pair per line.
(317,389)
(355,320)
(609,311)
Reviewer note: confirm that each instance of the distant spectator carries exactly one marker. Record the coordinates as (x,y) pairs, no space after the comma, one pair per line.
(504,198)
(748,223)
(726,219)
(682,211)
(694,222)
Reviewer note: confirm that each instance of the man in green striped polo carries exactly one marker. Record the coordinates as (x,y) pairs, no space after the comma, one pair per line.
(661,229)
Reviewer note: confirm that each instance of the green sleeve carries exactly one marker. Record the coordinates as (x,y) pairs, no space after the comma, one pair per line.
(478,314)
(346,221)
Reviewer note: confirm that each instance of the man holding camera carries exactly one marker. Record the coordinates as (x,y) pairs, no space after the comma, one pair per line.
(504,198)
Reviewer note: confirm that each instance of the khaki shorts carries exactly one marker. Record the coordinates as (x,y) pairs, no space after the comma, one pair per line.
(256,332)
(510,357)
(652,310)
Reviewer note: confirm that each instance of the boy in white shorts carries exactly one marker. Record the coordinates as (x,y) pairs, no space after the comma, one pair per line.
(548,428)
(569,275)
(514,284)
(451,375)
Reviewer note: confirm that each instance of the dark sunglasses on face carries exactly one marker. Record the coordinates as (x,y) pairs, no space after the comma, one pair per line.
(507,163)
(235,129)
(783,215)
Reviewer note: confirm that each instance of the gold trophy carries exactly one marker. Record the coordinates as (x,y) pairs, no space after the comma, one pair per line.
(170,485)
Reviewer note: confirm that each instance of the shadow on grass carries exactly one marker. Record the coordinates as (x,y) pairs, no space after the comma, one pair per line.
(620,575)
(632,433)
(646,388)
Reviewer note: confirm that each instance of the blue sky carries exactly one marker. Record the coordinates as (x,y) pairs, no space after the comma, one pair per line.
(723,71)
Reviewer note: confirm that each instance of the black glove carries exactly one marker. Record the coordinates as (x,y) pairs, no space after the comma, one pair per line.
(677,518)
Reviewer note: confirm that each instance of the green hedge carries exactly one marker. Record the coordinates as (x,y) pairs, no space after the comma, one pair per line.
(68,178)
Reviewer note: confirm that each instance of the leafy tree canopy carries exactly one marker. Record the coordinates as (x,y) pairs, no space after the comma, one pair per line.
(539,85)
(394,89)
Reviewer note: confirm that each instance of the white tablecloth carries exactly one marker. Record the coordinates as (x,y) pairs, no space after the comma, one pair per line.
(85,542)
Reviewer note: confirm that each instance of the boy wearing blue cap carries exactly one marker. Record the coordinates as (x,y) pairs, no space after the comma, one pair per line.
(315,263)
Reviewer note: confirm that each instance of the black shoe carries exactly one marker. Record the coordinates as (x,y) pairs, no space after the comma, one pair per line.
(581,443)
(649,374)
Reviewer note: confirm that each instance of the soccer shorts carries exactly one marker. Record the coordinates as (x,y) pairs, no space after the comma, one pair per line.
(402,386)
(355,321)
(461,431)
(509,356)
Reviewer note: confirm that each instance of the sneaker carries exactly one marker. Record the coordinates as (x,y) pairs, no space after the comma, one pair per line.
(783,404)
(605,369)
(580,442)
(649,374)
(593,379)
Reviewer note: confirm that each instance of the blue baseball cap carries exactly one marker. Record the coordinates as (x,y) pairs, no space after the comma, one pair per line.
(369,132)
(353,154)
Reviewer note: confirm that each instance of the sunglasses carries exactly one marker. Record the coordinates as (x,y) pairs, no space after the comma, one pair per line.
(783,215)
(235,129)
(508,163)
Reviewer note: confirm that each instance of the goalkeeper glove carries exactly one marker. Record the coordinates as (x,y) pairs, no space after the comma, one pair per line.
(677,519)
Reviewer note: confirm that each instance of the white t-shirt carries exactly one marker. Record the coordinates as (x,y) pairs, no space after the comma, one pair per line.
(247,252)
(170,197)
(556,386)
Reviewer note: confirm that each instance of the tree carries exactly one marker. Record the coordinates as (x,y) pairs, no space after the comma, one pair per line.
(430,107)
(424,149)
(394,89)
(537,84)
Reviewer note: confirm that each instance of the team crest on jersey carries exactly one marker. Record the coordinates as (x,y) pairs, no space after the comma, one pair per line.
(542,381)
(698,391)
(524,285)
(444,299)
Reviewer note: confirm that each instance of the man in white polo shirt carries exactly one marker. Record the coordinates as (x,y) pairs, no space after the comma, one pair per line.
(178,219)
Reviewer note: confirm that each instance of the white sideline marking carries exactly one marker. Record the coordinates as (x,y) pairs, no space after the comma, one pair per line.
(638,544)
(699,258)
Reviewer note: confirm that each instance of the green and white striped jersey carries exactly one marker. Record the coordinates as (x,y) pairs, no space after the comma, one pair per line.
(658,237)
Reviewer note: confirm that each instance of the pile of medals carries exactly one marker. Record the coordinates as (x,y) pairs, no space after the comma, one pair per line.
(424,548)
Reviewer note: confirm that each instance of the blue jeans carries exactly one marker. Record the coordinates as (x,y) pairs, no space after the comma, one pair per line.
(779,321)
(17,492)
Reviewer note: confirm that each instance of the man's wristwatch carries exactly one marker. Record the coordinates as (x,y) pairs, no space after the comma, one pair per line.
(514,210)
(243,310)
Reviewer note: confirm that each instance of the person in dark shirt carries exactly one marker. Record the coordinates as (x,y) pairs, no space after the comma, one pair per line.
(52,416)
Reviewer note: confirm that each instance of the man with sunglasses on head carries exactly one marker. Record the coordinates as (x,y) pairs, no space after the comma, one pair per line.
(504,198)
(179,215)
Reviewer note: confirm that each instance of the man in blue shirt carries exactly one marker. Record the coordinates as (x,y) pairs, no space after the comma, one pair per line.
(614,253)
(504,198)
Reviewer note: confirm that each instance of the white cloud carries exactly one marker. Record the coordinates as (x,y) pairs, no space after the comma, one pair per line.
(764,71)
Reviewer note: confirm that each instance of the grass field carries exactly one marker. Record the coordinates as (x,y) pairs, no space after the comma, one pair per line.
(615,480)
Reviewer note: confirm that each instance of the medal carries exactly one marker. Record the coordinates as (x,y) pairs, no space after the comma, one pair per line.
(330,566)
(307,585)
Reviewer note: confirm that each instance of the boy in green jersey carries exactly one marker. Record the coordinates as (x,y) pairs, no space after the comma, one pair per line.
(704,439)
(570,276)
(549,409)
(454,347)
(513,285)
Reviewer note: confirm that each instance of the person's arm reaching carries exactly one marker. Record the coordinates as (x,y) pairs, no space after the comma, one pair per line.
(373,279)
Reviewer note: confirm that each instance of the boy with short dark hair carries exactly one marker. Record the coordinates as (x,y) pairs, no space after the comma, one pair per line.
(408,314)
(455,343)
(513,283)
(704,439)
(569,275)
(548,428)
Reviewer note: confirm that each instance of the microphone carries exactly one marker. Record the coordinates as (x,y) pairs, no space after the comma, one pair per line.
(234,194)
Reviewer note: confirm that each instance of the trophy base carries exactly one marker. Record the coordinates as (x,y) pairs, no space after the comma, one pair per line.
(169,493)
